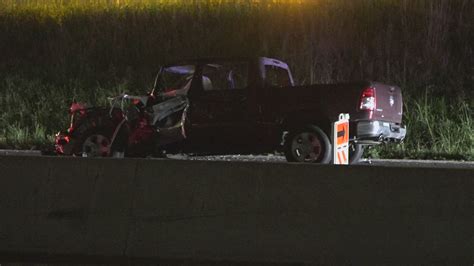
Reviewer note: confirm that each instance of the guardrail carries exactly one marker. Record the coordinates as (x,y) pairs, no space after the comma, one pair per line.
(129,209)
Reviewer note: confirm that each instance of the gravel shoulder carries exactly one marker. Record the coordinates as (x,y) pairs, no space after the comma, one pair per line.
(272,158)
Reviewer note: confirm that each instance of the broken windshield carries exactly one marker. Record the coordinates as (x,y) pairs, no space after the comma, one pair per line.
(175,79)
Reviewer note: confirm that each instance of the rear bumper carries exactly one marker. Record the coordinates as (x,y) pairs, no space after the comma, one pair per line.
(379,131)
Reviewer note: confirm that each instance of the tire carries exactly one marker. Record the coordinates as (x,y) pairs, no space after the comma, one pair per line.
(97,144)
(355,152)
(309,145)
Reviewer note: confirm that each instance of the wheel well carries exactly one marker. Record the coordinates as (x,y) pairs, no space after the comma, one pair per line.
(304,118)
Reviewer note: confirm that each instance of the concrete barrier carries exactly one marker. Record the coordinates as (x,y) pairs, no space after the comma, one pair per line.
(106,209)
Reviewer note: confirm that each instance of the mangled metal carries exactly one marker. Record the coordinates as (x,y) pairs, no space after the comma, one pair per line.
(132,124)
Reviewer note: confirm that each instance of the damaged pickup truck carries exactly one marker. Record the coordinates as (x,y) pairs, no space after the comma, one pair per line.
(235,106)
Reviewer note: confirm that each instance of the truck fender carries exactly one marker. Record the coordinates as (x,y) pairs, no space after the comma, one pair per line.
(303,118)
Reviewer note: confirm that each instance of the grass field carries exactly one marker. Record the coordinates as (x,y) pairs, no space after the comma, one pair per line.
(53,51)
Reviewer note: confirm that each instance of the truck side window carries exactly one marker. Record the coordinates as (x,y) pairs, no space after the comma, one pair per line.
(175,80)
(225,76)
(276,76)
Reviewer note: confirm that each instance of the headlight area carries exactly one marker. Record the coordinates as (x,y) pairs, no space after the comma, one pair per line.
(63,143)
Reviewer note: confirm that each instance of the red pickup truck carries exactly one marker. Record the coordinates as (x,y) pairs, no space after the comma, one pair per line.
(238,105)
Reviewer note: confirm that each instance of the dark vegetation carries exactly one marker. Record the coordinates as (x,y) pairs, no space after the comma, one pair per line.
(53,51)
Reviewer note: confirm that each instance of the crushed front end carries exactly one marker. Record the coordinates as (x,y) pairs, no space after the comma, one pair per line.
(64,143)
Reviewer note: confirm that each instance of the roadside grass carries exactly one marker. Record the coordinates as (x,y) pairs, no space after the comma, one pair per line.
(409,43)
(32,112)
(437,128)
(23,138)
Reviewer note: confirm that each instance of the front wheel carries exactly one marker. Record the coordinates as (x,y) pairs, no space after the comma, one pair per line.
(98,144)
(309,144)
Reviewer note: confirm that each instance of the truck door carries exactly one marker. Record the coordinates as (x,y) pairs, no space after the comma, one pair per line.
(218,110)
(276,76)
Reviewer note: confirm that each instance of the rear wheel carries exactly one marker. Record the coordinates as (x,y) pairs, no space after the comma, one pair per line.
(355,152)
(309,144)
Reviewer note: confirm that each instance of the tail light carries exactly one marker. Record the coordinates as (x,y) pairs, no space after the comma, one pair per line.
(367,99)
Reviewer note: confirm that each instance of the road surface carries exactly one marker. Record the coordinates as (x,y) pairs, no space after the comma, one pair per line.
(272,158)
